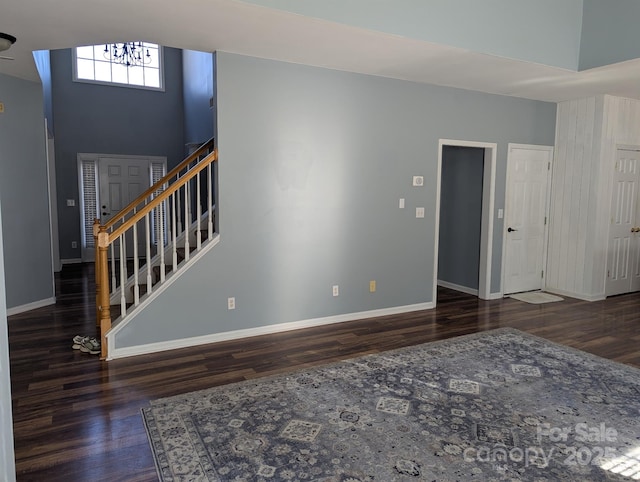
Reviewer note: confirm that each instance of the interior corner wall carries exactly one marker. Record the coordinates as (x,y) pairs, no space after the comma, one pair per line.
(24,195)
(311,165)
(7,457)
(197,80)
(109,119)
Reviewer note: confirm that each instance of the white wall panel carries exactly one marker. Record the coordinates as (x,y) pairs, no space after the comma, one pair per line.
(588,133)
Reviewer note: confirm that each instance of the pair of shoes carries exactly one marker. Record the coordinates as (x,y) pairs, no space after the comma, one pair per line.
(86,344)
(90,345)
(77,342)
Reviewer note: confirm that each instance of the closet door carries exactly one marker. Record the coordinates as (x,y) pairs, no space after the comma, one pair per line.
(623,259)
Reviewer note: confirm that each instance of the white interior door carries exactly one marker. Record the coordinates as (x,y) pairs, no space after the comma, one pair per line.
(526,211)
(121,181)
(623,254)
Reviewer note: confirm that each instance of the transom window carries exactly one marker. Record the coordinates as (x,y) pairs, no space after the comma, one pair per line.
(103,64)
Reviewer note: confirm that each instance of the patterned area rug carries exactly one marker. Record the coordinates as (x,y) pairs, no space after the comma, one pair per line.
(495,406)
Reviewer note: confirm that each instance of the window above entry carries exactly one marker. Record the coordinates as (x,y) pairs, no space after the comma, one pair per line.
(131,64)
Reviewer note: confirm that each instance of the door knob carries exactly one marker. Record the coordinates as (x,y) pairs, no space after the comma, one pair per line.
(510,229)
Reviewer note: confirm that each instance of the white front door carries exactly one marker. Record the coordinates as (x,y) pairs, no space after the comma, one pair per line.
(623,254)
(121,181)
(526,211)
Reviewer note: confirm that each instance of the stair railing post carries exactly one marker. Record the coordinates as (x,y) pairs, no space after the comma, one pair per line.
(104,306)
(96,230)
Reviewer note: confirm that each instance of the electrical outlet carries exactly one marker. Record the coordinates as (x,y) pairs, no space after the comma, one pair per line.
(71,202)
(401,203)
(418,181)
(419,212)
(336,290)
(231,303)
(74,244)
(372,286)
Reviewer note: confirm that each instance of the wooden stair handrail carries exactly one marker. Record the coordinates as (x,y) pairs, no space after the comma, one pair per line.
(188,160)
(212,157)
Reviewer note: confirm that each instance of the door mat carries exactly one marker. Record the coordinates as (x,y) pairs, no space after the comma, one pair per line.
(536,297)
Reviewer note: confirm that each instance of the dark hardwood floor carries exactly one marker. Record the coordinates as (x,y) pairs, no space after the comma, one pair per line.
(77,418)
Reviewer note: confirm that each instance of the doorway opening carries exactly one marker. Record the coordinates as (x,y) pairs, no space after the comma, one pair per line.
(465,196)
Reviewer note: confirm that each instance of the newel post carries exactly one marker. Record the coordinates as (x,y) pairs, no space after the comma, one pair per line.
(96,230)
(104,304)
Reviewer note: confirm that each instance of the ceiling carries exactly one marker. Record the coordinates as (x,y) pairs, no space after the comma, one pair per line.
(233,26)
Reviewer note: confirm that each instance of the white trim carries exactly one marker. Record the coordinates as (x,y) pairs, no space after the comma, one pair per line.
(261,330)
(578,296)
(71,261)
(547,212)
(169,280)
(495,296)
(16,310)
(488,202)
(462,289)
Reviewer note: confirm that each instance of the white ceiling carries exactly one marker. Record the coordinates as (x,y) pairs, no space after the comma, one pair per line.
(233,26)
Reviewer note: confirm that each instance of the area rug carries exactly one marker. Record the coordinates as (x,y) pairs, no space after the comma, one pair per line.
(495,406)
(536,297)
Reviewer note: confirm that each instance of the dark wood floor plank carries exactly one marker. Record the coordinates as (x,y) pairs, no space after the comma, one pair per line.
(78,419)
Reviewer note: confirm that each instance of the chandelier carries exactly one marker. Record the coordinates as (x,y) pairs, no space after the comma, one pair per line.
(130,54)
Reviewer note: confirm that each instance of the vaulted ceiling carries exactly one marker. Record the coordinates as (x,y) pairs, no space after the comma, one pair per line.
(234,26)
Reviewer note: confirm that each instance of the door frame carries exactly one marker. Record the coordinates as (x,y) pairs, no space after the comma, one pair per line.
(87,250)
(487,223)
(545,240)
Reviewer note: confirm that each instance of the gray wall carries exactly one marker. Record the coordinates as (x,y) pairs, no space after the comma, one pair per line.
(197,77)
(460,215)
(609,32)
(7,460)
(312,164)
(542,31)
(110,120)
(23,193)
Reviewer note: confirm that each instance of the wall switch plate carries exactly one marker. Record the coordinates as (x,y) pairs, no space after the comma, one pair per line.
(419,212)
(401,203)
(336,290)
(418,180)
(372,286)
(231,303)
(74,244)
(71,202)
(500,213)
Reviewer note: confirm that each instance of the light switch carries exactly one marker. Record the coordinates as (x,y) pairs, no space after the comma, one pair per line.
(401,203)
(419,212)
(71,202)
(500,213)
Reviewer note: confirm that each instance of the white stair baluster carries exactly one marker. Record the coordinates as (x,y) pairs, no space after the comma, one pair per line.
(136,287)
(198,211)
(123,275)
(187,221)
(148,245)
(174,251)
(209,203)
(161,242)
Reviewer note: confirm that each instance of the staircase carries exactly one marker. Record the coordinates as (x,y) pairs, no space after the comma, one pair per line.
(154,238)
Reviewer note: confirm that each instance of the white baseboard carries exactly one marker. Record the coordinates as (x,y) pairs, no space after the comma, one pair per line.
(495,296)
(453,286)
(115,352)
(579,296)
(70,261)
(16,310)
